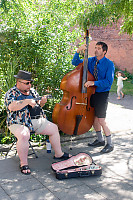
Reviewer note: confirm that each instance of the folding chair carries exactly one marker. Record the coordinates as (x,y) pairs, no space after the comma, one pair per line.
(30,145)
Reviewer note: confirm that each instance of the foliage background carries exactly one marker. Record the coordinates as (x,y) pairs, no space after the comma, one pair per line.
(40,36)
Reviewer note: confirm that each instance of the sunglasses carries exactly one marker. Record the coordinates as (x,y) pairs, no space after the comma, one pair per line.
(27,83)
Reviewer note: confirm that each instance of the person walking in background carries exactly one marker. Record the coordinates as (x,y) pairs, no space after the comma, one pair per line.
(120,80)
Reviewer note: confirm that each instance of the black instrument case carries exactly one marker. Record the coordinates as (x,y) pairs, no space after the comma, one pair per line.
(80,165)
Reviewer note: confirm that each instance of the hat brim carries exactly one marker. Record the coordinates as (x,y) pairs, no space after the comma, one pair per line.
(16,76)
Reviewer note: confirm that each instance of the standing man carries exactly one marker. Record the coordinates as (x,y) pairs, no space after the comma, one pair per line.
(103,71)
(25,114)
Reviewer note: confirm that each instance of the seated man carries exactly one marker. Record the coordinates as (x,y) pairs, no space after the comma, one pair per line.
(24,114)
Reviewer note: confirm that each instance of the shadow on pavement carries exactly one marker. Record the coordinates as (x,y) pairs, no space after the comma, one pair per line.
(126,102)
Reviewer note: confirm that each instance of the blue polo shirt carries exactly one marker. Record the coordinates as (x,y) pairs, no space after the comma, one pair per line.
(105,69)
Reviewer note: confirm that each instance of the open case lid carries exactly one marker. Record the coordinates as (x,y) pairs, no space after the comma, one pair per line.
(81,159)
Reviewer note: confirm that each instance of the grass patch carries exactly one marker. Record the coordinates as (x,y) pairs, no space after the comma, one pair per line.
(127,88)
(127,84)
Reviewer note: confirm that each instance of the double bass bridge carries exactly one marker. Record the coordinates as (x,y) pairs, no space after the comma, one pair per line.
(84,104)
(78,103)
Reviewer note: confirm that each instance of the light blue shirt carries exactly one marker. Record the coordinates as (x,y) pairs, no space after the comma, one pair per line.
(105,69)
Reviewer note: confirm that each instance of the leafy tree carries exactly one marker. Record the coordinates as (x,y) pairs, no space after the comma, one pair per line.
(107,12)
(34,37)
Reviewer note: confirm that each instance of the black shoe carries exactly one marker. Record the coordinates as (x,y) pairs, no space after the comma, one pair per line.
(108,148)
(96,143)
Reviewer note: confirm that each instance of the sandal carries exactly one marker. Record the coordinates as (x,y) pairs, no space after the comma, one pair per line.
(25,167)
(65,156)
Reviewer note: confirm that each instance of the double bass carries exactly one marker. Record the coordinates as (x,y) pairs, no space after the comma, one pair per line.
(74,115)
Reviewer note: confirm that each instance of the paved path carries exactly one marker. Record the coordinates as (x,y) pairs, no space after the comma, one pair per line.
(120,114)
(115,183)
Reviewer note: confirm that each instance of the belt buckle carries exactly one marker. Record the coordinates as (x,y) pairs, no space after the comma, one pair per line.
(38,116)
(35,117)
